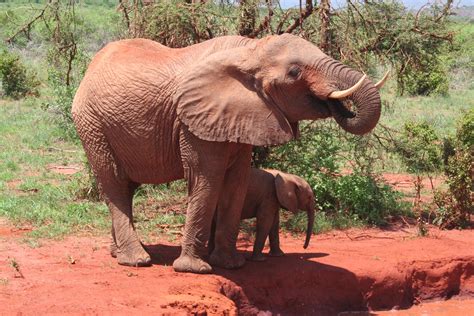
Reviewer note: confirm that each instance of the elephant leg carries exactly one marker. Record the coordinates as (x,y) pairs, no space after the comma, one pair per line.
(229,210)
(117,191)
(204,165)
(274,237)
(264,225)
(211,244)
(113,245)
(126,245)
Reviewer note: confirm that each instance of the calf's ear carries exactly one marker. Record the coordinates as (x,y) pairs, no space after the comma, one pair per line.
(286,193)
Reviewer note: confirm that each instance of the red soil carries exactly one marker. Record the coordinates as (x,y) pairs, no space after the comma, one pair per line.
(405,183)
(340,271)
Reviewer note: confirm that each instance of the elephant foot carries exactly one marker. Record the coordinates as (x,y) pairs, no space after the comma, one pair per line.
(227,261)
(259,257)
(113,249)
(137,257)
(276,253)
(191,264)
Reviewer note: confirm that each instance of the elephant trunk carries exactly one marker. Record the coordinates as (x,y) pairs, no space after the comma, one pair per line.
(358,113)
(309,230)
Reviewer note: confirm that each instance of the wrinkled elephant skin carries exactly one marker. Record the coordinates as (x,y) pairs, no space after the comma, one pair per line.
(150,114)
(267,192)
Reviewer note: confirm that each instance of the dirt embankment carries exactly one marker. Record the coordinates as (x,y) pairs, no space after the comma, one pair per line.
(342,271)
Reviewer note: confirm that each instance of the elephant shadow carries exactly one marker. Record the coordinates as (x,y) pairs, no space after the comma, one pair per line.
(295,284)
(163,254)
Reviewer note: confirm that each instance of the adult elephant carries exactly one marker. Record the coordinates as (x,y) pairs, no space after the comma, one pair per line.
(150,114)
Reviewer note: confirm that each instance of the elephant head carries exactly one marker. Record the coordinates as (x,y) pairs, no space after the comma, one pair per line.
(295,194)
(257,93)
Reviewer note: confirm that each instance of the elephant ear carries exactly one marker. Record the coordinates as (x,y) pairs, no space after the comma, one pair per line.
(220,100)
(286,193)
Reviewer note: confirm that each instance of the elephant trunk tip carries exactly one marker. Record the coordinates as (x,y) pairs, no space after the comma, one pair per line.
(309,230)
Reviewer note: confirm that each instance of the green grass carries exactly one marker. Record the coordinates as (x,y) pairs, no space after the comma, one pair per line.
(31,193)
(441,112)
(160,210)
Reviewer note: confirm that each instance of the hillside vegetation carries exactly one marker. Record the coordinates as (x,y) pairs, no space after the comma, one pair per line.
(426,127)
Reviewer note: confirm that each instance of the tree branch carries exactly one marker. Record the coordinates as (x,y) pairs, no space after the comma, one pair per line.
(265,24)
(27,27)
(303,16)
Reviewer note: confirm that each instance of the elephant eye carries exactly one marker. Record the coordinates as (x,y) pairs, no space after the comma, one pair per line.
(294,72)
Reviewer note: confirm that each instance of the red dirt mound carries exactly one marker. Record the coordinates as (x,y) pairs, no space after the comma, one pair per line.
(342,271)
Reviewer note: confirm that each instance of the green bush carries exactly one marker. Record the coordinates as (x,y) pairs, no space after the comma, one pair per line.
(320,156)
(428,77)
(365,198)
(419,148)
(60,104)
(178,24)
(455,205)
(16,80)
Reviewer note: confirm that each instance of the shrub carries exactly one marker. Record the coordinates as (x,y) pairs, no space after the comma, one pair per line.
(16,80)
(365,198)
(60,104)
(319,156)
(455,204)
(419,148)
(428,77)
(179,24)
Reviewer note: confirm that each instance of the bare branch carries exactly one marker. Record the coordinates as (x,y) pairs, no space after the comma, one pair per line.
(324,16)
(123,8)
(303,16)
(282,22)
(27,27)
(265,24)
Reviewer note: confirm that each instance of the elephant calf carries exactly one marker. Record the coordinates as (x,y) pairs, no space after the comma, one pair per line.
(268,191)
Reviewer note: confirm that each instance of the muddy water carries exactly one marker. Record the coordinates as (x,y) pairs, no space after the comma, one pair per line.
(442,308)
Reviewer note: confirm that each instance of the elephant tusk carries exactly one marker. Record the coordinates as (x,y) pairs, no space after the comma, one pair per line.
(345,93)
(380,84)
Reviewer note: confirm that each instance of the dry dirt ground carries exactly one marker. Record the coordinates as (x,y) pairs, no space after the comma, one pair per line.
(354,270)
(340,271)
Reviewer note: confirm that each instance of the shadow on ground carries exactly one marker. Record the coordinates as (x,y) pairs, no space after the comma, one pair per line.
(293,284)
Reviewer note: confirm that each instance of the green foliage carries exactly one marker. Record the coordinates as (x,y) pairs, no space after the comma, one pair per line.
(178,24)
(319,156)
(60,104)
(455,204)
(461,61)
(322,222)
(365,34)
(419,148)
(465,131)
(365,198)
(31,193)
(16,80)
(426,77)
(67,61)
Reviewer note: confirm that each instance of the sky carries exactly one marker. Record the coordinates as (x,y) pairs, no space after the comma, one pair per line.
(410,4)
